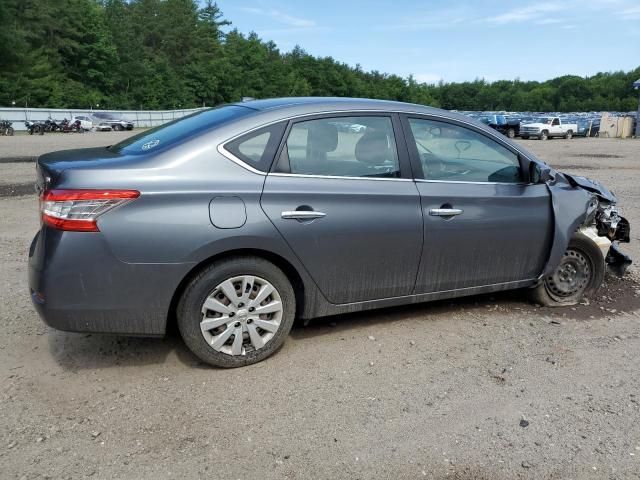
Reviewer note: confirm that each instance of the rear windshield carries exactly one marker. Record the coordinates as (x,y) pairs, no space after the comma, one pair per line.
(174,132)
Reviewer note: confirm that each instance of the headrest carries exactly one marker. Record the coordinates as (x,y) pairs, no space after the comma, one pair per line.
(373,147)
(322,137)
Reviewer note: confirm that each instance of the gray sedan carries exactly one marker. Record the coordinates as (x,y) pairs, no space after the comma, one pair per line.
(236,220)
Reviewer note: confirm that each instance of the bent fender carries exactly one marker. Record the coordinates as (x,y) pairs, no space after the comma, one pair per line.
(575,201)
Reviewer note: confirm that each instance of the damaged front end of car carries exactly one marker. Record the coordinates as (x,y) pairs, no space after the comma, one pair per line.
(585,205)
(609,224)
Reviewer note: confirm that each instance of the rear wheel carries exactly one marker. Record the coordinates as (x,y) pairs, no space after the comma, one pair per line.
(118,127)
(579,274)
(10,131)
(569,135)
(236,312)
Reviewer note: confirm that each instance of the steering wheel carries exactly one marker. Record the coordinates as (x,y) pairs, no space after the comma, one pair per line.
(432,165)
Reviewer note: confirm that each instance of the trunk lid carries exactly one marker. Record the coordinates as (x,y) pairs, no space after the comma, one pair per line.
(50,165)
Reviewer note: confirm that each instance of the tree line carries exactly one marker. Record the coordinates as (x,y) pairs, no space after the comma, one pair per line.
(166,54)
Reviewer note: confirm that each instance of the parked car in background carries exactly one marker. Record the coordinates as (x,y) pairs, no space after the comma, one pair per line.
(506,125)
(547,127)
(85,121)
(109,121)
(238,219)
(587,127)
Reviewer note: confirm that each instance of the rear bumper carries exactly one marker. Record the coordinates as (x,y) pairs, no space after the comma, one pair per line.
(78,285)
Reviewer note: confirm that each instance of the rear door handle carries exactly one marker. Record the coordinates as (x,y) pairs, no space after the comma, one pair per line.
(302,215)
(445,212)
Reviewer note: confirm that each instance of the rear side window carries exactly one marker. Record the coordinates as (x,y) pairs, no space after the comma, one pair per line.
(174,132)
(258,148)
(343,147)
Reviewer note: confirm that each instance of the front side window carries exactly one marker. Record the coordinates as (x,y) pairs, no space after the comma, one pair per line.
(341,146)
(453,153)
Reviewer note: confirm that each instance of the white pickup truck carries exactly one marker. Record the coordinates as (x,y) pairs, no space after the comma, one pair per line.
(547,127)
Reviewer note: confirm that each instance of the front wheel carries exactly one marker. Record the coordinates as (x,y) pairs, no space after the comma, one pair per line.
(543,135)
(236,312)
(10,131)
(580,274)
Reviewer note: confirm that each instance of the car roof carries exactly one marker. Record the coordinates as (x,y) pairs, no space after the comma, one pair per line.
(319,104)
(275,109)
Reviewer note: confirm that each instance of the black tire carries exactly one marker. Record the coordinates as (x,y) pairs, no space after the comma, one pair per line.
(569,134)
(551,292)
(10,131)
(511,133)
(40,130)
(189,310)
(118,127)
(544,135)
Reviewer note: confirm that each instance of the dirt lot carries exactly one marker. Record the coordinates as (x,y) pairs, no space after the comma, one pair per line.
(488,387)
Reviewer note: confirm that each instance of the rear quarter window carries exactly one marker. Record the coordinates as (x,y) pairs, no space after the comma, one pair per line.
(258,148)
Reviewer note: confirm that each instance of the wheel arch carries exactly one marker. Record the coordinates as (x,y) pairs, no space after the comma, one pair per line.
(297,282)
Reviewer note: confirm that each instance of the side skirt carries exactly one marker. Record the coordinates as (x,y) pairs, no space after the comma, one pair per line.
(323,308)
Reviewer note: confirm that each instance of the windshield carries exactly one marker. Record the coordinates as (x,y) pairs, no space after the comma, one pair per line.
(178,130)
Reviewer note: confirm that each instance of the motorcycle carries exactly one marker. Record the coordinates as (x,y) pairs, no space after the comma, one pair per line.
(6,128)
(66,127)
(35,127)
(50,125)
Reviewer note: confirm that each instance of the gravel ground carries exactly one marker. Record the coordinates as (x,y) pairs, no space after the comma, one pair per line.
(487,387)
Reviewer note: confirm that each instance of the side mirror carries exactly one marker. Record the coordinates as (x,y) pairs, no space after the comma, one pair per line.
(539,173)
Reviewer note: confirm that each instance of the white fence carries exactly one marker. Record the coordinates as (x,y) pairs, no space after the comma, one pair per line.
(140,118)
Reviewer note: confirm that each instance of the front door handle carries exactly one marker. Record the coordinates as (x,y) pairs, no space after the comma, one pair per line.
(302,215)
(445,212)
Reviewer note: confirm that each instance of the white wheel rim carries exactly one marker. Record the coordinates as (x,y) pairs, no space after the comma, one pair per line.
(241,315)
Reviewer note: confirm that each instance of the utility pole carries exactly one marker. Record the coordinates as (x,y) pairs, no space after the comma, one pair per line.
(636,86)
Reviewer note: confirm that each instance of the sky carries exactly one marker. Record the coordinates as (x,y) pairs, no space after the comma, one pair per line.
(454,40)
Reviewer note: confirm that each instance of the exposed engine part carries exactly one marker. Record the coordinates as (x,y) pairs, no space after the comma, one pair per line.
(605,227)
(610,224)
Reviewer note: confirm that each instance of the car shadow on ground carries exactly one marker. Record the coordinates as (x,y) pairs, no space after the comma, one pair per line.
(79,351)
(74,351)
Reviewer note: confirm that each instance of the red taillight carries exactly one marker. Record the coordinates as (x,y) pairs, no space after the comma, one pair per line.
(78,210)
